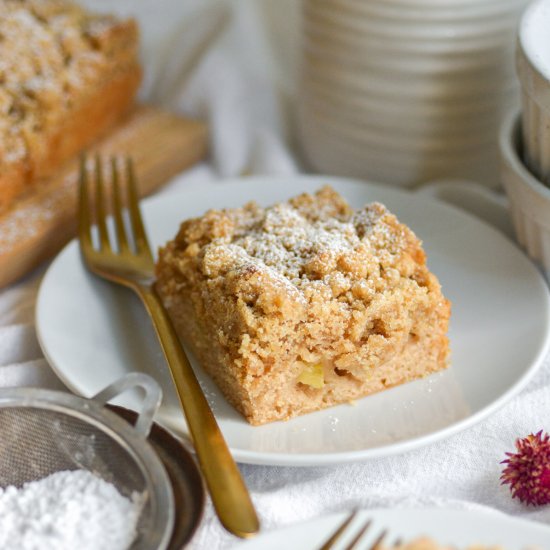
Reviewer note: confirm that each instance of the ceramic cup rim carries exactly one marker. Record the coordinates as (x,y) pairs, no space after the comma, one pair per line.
(525,48)
(509,140)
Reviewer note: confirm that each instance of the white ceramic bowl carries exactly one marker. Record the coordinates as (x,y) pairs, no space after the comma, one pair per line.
(350,147)
(371,41)
(452,62)
(455,6)
(529,197)
(450,117)
(421,110)
(410,127)
(350,43)
(420,29)
(399,90)
(363,30)
(328,152)
(407,87)
(376,77)
(328,158)
(390,135)
(442,11)
(533,65)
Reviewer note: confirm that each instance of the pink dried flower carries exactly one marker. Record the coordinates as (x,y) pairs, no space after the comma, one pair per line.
(528,471)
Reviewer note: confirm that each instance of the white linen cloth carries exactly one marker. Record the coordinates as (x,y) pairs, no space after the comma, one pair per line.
(219,64)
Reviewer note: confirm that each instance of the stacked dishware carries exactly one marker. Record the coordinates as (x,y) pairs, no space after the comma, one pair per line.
(533,66)
(403,91)
(525,137)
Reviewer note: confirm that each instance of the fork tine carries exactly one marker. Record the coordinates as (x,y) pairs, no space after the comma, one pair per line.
(117,209)
(378,541)
(353,544)
(338,533)
(142,245)
(84,221)
(100,206)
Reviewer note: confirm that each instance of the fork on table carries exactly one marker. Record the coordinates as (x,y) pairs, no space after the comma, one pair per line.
(359,536)
(123,256)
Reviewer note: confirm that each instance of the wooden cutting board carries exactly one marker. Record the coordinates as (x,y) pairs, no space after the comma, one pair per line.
(39,224)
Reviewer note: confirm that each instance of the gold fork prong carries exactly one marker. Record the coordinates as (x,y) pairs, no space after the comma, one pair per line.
(84,219)
(353,544)
(358,537)
(376,545)
(142,245)
(122,237)
(104,242)
(338,533)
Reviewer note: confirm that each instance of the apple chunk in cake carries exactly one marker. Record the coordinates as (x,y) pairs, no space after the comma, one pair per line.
(304,304)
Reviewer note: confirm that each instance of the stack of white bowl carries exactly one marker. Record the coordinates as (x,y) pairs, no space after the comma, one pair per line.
(533,64)
(404,91)
(525,137)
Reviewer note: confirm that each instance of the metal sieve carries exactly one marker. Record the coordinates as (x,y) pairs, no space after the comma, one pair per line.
(43,432)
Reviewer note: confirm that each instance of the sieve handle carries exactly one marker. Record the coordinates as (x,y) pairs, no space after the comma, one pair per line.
(151,400)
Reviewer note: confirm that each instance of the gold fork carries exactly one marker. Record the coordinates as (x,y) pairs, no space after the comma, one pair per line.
(130,263)
(340,531)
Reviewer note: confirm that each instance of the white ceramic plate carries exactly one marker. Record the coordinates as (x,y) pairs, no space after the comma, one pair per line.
(452,528)
(93,332)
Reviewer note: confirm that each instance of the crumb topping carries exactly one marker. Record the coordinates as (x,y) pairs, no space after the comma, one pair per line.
(312,243)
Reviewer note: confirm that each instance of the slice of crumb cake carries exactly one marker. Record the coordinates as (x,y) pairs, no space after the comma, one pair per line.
(304,304)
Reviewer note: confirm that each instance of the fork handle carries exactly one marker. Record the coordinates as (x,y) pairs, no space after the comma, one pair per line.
(223,479)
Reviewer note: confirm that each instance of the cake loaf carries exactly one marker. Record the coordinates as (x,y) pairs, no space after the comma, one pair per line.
(305,304)
(66,76)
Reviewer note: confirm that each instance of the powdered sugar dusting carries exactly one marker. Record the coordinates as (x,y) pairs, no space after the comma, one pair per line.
(66,511)
(286,240)
(51,53)
(19,224)
(306,239)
